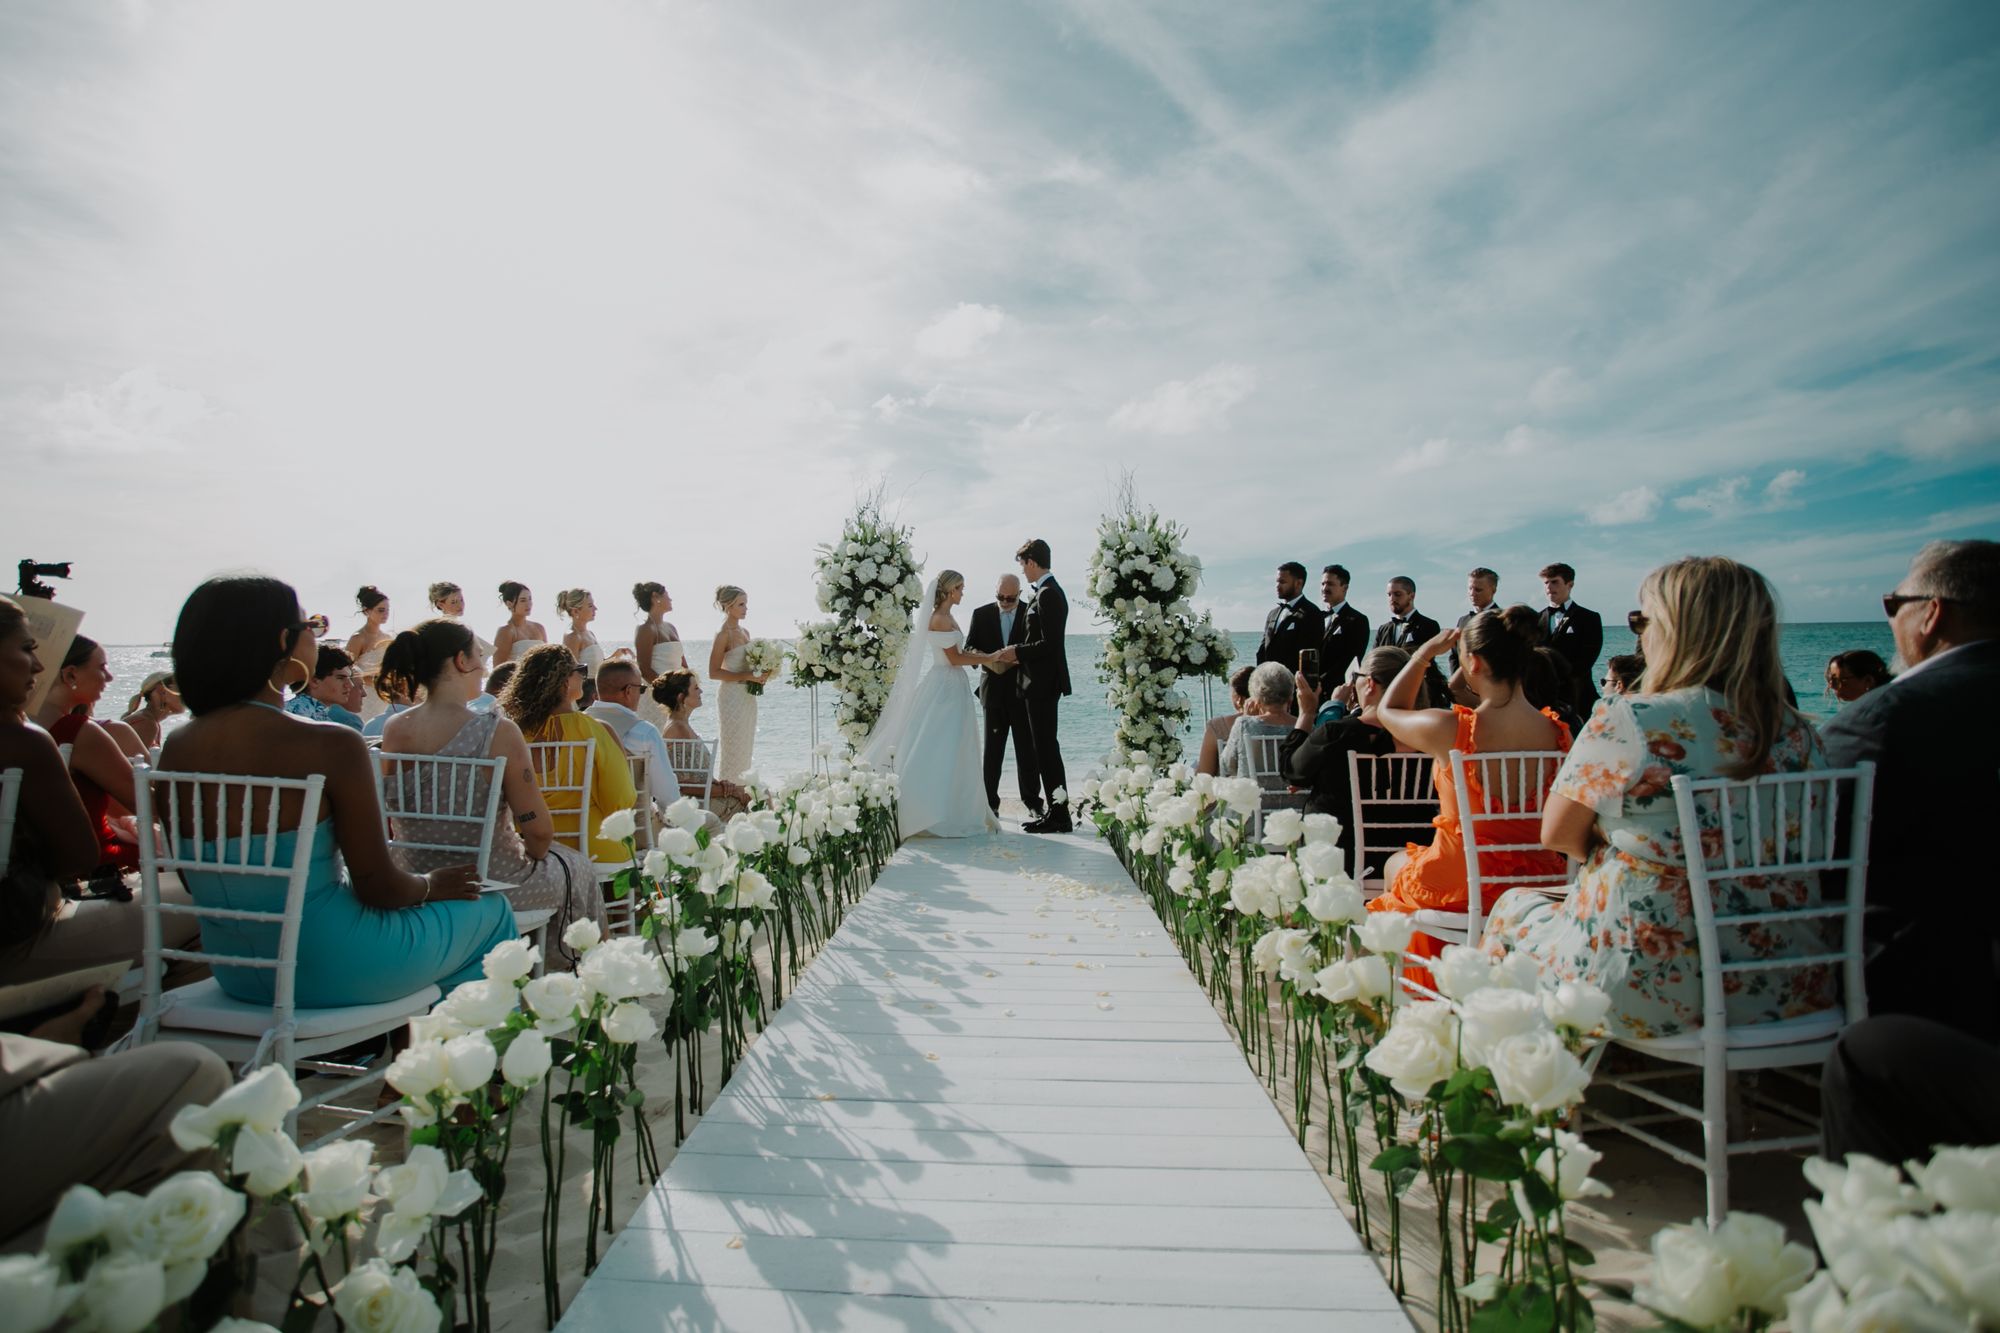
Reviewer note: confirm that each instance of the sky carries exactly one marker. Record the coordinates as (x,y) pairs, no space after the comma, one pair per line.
(590,293)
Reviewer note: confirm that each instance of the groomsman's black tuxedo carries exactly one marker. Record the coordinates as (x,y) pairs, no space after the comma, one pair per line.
(1291,627)
(1416,630)
(1578,639)
(1006,711)
(1343,638)
(1043,679)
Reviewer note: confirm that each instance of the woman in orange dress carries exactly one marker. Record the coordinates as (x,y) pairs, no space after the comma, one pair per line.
(1496,656)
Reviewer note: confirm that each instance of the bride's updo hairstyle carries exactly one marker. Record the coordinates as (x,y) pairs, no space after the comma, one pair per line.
(726,594)
(415,658)
(440,591)
(1505,641)
(948,580)
(510,591)
(644,593)
(569,599)
(670,690)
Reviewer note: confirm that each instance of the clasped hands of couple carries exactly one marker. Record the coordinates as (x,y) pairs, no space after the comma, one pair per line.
(1002,662)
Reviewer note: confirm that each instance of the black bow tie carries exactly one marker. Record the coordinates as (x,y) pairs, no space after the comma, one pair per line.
(1400,620)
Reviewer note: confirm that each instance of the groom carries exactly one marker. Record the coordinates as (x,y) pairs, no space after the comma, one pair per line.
(1043,678)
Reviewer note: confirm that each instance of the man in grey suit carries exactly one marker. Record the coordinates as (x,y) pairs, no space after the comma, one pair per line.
(1934,736)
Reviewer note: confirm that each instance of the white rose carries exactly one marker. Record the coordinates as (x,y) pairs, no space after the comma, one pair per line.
(1536,1072)
(1690,1280)
(556,997)
(618,826)
(1576,1004)
(629,1023)
(677,844)
(122,1294)
(1490,1015)
(1764,1267)
(657,865)
(32,1291)
(798,855)
(582,936)
(508,962)
(687,814)
(180,1225)
(470,1061)
(478,1005)
(624,970)
(1566,1166)
(1359,979)
(419,1070)
(337,1179)
(376,1298)
(231,1324)
(424,1185)
(1060,796)
(1321,860)
(81,1216)
(1322,830)
(1283,827)
(1519,971)
(1334,901)
(743,837)
(1387,932)
(1460,970)
(1241,795)
(1413,1057)
(1864,1188)
(1960,1178)
(1819,1307)
(262,1100)
(1152,841)
(527,1060)
(754,890)
(267,1159)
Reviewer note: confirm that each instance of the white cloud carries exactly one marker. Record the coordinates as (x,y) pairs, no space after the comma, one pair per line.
(1432,453)
(960,332)
(1942,433)
(1557,389)
(1717,498)
(1633,506)
(1181,407)
(1524,440)
(1780,490)
(137,412)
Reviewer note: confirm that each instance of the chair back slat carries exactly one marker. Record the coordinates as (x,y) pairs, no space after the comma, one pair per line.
(438,804)
(563,767)
(642,803)
(692,761)
(1393,797)
(10,803)
(1494,790)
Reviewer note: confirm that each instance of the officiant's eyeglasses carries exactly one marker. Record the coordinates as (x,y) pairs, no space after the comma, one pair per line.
(1004,600)
(1893,602)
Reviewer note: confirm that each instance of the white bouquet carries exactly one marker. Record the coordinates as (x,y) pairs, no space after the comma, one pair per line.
(762,657)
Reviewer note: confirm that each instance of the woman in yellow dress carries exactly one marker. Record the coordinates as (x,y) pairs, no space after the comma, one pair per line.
(541,698)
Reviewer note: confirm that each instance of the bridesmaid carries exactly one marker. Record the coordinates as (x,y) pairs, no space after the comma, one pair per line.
(581,608)
(734,702)
(367,646)
(520,635)
(656,646)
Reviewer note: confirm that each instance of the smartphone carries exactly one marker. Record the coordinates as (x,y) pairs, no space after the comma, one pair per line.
(1309,662)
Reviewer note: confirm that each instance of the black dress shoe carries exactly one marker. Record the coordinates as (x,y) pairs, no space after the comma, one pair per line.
(1036,810)
(1055,821)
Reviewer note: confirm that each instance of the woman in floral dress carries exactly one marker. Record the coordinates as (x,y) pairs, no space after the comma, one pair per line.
(1712,705)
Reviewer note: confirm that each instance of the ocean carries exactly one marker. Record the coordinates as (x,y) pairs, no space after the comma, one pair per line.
(785,715)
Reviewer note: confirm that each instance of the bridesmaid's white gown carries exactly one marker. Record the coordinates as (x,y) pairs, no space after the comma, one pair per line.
(737,711)
(941,792)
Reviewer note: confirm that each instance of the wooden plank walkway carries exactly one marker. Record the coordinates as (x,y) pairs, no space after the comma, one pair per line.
(998,1100)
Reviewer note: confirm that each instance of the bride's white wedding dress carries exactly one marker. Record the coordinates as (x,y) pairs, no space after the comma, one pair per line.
(930,736)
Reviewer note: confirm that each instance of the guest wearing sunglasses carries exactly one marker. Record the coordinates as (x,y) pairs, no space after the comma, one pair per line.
(1623,673)
(1851,674)
(996,625)
(1933,733)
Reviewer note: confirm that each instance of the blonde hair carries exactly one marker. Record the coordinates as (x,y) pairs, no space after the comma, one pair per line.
(725,594)
(948,580)
(1718,627)
(570,599)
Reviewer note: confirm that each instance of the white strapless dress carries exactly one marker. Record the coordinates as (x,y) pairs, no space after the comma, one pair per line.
(667,656)
(942,793)
(736,714)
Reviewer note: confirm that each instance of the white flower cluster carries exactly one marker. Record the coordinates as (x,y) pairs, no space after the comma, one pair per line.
(868,583)
(1913,1252)
(1141,580)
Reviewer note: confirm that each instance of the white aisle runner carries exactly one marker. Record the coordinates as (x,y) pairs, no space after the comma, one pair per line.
(999,1100)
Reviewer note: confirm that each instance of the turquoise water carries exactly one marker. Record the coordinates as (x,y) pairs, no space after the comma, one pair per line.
(785,720)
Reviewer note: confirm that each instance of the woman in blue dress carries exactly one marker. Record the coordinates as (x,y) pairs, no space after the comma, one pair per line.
(371,931)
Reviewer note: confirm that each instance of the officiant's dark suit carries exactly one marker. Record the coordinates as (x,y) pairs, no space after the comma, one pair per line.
(1577,635)
(1043,677)
(1292,626)
(994,627)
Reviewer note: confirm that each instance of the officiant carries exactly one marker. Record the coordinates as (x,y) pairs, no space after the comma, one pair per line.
(996,625)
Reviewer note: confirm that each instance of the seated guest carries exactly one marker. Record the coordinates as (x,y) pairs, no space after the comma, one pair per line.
(1216,732)
(1897,1087)
(1851,674)
(1552,688)
(541,698)
(372,931)
(1314,756)
(397,698)
(1267,712)
(439,660)
(67,1119)
(334,692)
(100,767)
(496,684)
(1714,707)
(57,839)
(1932,734)
(1497,655)
(618,691)
(156,701)
(679,693)
(1623,673)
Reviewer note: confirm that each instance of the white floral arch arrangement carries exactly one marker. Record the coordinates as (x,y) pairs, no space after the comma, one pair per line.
(868,583)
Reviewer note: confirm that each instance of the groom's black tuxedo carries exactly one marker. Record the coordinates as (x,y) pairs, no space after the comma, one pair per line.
(1291,627)
(1043,679)
(1006,711)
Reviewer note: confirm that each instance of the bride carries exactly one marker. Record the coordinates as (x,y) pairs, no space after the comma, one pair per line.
(927,732)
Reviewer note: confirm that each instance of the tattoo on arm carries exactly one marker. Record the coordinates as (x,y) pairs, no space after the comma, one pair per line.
(524,817)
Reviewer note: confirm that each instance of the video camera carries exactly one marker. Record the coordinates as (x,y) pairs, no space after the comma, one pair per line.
(30,573)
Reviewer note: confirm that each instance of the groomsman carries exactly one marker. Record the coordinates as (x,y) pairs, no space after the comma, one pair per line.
(1294,624)
(1575,632)
(994,626)
(1410,628)
(1481,585)
(1344,637)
